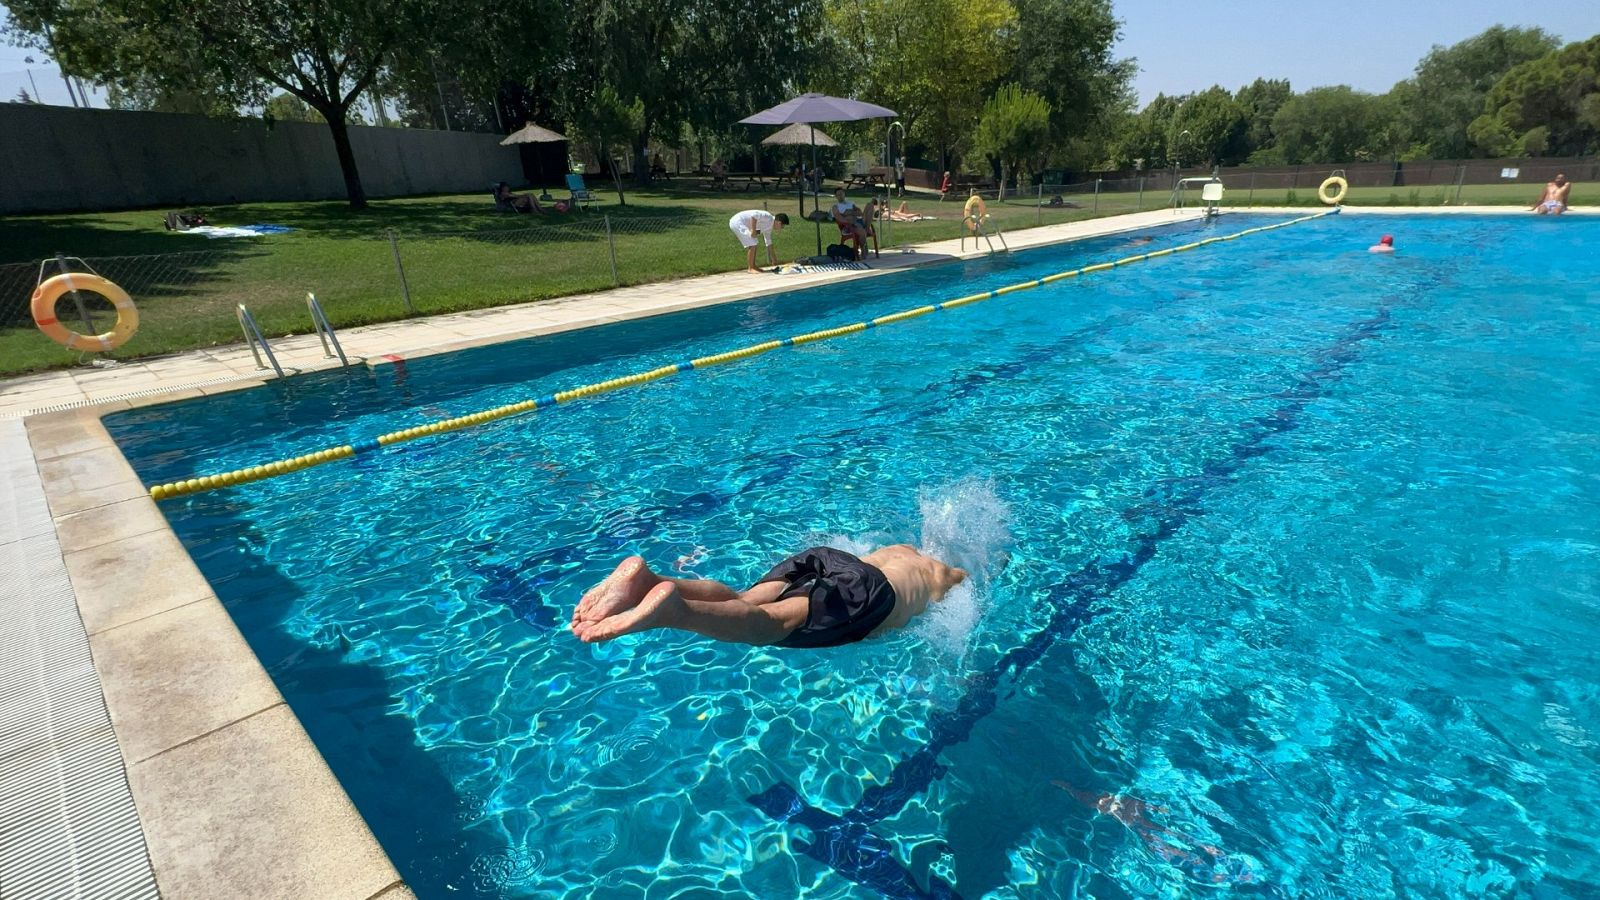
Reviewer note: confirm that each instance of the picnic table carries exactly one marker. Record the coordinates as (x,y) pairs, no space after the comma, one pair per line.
(861,179)
(745,181)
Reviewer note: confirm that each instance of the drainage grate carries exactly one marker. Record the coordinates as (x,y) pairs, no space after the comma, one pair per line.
(68,826)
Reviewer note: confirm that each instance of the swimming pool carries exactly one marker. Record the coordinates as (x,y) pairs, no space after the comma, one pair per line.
(1293,543)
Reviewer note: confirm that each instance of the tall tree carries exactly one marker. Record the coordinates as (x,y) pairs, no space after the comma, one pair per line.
(704,62)
(1144,141)
(932,61)
(1328,125)
(1065,54)
(325,53)
(1260,100)
(1452,82)
(1208,128)
(1549,105)
(1014,130)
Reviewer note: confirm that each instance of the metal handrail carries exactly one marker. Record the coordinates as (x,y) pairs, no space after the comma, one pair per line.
(980,228)
(253,337)
(319,321)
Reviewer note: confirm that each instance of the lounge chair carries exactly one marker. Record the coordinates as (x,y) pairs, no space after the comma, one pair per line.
(580,193)
(503,201)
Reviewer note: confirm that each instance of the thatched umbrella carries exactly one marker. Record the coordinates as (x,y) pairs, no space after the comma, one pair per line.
(533,134)
(799,135)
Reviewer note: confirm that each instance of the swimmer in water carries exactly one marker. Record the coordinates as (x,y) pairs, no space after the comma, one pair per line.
(1385,244)
(1201,861)
(818,598)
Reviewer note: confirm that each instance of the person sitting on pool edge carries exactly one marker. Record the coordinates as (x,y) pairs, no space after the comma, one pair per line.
(817,598)
(1554,199)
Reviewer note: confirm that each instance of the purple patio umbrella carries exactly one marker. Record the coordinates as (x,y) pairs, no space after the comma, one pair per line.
(809,109)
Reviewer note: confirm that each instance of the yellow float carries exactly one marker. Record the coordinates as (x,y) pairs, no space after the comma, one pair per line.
(1333,199)
(43,306)
(975,212)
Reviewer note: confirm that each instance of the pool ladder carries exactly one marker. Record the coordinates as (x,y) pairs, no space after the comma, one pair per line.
(981,229)
(257,341)
(319,321)
(324,330)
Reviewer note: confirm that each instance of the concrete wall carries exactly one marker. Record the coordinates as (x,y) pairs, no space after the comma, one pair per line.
(60,159)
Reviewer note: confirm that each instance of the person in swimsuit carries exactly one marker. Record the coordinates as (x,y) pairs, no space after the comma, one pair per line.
(1554,200)
(1385,244)
(820,597)
(1201,861)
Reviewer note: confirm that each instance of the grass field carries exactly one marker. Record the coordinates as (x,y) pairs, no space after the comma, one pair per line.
(459,254)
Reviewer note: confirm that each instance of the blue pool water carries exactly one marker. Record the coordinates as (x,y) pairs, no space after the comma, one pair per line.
(1294,544)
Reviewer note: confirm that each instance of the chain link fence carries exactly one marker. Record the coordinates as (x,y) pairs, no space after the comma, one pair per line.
(189,299)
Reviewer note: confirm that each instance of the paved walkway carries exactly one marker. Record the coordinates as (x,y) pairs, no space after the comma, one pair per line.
(218,369)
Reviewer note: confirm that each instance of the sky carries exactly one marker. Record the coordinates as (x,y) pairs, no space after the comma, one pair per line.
(1191,45)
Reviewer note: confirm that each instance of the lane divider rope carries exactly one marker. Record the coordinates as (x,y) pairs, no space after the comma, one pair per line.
(370,445)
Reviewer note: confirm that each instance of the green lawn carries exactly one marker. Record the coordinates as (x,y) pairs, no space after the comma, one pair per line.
(459,254)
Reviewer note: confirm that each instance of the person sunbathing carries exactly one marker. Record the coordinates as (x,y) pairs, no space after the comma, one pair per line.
(515,202)
(817,598)
(903,213)
(1554,199)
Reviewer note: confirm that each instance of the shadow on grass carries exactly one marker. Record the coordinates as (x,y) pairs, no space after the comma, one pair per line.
(24,239)
(146,277)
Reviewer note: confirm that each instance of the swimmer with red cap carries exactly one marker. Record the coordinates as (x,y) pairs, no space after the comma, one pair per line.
(1385,244)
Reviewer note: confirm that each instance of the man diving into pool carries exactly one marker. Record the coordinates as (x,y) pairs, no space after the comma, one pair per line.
(817,598)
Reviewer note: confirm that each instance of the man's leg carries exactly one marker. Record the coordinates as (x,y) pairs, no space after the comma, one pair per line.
(754,617)
(627,585)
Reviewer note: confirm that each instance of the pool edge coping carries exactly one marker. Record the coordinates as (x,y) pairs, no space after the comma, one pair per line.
(195,716)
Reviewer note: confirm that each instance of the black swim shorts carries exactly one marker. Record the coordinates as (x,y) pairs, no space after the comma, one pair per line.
(849,598)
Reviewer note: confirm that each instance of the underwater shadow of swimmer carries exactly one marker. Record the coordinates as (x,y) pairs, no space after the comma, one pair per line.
(1197,860)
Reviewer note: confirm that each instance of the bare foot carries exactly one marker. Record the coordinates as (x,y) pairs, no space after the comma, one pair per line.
(660,603)
(620,590)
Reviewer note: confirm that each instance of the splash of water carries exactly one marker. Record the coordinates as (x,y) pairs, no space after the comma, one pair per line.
(966,525)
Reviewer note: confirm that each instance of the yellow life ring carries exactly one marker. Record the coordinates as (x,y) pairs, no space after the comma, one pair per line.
(43,306)
(973,221)
(1337,181)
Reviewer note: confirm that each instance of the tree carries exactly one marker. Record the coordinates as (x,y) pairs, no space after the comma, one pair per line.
(1327,125)
(24,97)
(1548,105)
(150,96)
(1145,137)
(932,61)
(1451,83)
(289,108)
(1064,54)
(325,53)
(1260,100)
(453,78)
(1209,127)
(608,122)
(1014,130)
(703,62)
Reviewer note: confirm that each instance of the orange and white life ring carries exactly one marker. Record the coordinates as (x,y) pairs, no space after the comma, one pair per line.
(43,306)
(975,212)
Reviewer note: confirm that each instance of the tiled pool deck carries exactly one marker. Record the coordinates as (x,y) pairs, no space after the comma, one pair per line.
(142,744)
